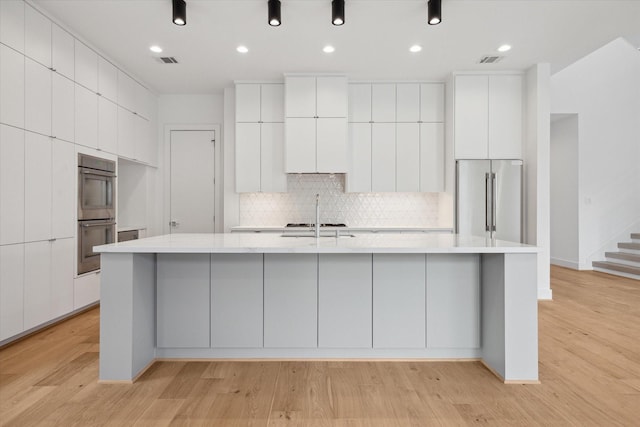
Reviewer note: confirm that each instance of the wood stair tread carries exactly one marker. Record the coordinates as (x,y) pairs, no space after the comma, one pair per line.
(635,236)
(617,267)
(628,245)
(623,255)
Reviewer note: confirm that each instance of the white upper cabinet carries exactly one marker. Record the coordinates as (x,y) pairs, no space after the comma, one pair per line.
(272,103)
(12,24)
(408,157)
(62,52)
(37,36)
(126,133)
(62,108)
(86,66)
(142,104)
(360,102)
(248,103)
(471,117)
(383,156)
(331,96)
(432,102)
(11,185)
(300,96)
(12,90)
(126,91)
(505,117)
(107,79)
(383,102)
(316,124)
(488,116)
(407,102)
(432,157)
(259,147)
(145,151)
(63,184)
(37,105)
(107,125)
(359,177)
(86,117)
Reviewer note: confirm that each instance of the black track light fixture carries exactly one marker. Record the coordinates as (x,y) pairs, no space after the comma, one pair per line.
(434,12)
(275,18)
(337,12)
(179,12)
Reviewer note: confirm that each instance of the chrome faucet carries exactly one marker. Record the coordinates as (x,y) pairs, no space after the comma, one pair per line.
(317,224)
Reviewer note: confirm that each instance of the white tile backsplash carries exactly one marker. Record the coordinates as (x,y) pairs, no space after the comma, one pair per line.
(336,206)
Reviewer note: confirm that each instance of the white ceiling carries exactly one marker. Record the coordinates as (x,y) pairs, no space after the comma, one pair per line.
(373,43)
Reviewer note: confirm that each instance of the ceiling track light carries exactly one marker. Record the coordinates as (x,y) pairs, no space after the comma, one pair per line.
(275,18)
(434,12)
(337,12)
(179,12)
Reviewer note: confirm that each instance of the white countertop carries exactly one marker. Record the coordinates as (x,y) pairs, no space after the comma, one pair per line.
(275,243)
(250,228)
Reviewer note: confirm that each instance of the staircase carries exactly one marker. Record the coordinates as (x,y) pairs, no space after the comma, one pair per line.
(625,262)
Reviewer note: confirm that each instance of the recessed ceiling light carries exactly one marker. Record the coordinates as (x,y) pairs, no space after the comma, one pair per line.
(328,49)
(155,49)
(415,48)
(504,48)
(242,49)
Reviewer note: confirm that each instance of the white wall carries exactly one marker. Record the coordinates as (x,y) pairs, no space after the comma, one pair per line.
(603,88)
(564,190)
(536,170)
(180,110)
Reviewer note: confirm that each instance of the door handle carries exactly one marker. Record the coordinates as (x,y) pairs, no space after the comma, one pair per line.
(487,212)
(494,201)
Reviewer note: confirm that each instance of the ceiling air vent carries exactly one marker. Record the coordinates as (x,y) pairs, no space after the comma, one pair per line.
(491,59)
(167,60)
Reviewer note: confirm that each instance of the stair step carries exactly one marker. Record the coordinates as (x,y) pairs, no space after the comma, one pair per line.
(613,266)
(635,236)
(629,247)
(625,258)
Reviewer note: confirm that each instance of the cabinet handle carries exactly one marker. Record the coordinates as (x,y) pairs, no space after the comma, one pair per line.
(53,240)
(53,137)
(98,93)
(52,69)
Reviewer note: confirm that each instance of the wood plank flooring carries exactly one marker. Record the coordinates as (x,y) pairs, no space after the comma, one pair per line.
(589,368)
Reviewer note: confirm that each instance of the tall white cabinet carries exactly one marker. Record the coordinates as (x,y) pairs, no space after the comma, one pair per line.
(396,137)
(316,124)
(488,112)
(260,138)
(58,97)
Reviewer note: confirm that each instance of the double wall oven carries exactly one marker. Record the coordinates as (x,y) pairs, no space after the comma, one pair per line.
(96,209)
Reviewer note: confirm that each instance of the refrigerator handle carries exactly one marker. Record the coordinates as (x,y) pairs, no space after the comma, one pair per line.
(487,213)
(494,201)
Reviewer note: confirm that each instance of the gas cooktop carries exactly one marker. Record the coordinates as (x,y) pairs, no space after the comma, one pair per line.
(302,225)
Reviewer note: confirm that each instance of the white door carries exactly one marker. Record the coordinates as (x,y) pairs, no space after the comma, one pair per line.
(192,173)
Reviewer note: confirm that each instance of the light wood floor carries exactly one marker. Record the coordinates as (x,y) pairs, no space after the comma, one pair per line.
(589,368)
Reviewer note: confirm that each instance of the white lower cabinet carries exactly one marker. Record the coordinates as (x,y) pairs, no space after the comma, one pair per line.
(236,300)
(37,283)
(344,300)
(86,290)
(399,305)
(11,290)
(63,184)
(183,300)
(11,185)
(48,280)
(62,263)
(453,301)
(290,300)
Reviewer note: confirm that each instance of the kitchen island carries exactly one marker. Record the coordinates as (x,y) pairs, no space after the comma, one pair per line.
(261,296)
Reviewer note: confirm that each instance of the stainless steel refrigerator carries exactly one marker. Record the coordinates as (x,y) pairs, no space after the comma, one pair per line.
(489,198)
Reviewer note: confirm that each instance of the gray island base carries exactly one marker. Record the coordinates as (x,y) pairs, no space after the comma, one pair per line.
(259,296)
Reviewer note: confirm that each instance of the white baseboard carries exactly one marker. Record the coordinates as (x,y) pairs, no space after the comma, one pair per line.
(565,263)
(545,294)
